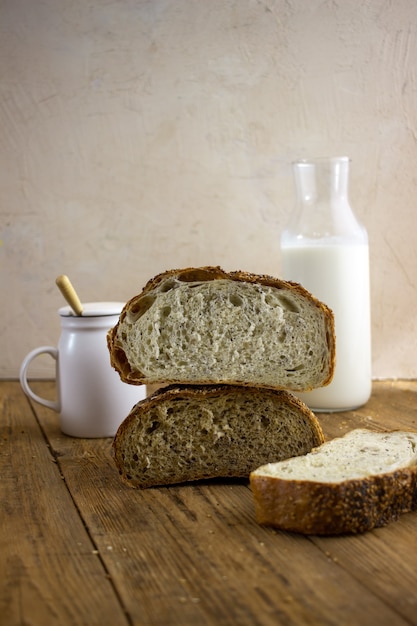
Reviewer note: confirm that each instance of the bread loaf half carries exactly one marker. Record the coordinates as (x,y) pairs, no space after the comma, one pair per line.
(183,433)
(348,485)
(204,326)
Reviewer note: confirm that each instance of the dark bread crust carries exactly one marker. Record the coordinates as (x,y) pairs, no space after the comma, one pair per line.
(234,466)
(352,506)
(118,358)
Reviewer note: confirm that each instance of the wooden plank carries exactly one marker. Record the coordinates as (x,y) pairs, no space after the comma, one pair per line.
(50,571)
(393,405)
(195,555)
(386,559)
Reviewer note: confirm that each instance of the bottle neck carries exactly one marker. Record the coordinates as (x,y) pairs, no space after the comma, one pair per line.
(322,210)
(322,180)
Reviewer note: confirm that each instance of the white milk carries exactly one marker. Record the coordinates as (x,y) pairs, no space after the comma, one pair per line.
(338,275)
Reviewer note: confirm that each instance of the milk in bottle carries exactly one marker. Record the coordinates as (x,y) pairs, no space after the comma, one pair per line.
(325,248)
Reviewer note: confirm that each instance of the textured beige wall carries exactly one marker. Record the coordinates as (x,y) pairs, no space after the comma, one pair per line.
(139,135)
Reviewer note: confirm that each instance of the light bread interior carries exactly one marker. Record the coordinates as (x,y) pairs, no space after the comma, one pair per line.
(359,454)
(227,331)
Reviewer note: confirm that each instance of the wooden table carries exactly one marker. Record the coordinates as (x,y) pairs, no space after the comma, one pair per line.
(79,547)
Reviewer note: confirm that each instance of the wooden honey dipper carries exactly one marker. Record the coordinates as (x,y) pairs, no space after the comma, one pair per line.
(65,286)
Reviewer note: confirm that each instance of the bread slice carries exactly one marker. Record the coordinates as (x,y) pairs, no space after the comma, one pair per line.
(187,433)
(348,485)
(205,326)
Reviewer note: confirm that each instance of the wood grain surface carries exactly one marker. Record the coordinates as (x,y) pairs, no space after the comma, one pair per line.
(80,547)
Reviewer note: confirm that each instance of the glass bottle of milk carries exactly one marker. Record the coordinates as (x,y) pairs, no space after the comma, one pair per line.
(325,248)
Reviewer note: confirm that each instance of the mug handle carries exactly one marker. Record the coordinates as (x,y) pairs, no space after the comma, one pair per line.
(50,404)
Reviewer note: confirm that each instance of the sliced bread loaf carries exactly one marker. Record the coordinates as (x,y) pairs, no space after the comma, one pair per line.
(204,326)
(182,433)
(347,485)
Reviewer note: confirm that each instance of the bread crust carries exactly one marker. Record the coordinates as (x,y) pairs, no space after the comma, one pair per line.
(202,393)
(118,358)
(352,506)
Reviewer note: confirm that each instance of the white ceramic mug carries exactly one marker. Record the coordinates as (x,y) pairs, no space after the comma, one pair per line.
(92,401)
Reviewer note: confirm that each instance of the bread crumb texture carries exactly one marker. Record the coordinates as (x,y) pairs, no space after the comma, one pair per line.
(185,434)
(226,331)
(357,455)
(351,484)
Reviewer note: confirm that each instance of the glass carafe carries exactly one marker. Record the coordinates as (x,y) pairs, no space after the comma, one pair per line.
(325,248)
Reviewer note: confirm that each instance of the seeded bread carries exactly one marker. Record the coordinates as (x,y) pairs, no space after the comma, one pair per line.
(348,485)
(205,326)
(188,433)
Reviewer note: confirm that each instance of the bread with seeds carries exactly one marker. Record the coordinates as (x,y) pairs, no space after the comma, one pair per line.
(187,433)
(207,326)
(350,484)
